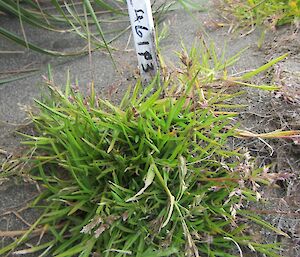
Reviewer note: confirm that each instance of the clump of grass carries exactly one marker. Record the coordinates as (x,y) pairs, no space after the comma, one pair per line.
(151,177)
(272,13)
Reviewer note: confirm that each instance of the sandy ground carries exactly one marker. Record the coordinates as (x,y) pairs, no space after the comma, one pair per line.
(266,112)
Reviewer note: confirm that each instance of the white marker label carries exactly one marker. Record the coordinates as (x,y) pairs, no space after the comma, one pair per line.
(141,19)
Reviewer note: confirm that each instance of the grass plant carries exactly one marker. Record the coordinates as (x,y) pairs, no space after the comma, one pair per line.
(271,13)
(152,176)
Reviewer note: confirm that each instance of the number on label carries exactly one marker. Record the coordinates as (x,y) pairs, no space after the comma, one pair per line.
(148,67)
(138,30)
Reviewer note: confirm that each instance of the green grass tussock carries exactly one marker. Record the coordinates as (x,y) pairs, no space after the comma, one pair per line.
(153,176)
(271,13)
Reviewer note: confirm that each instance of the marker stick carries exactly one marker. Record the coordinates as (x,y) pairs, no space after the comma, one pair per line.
(141,20)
